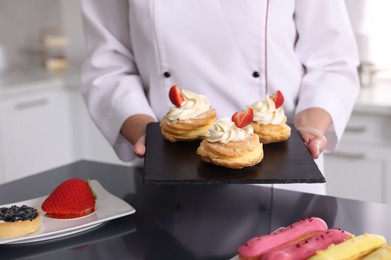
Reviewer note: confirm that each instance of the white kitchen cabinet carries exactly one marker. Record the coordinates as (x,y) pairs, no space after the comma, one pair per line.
(44,125)
(2,168)
(360,168)
(35,132)
(89,141)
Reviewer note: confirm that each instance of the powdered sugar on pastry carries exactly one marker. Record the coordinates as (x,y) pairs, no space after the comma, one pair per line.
(231,142)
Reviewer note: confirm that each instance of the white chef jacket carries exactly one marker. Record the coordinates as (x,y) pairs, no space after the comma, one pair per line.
(233,51)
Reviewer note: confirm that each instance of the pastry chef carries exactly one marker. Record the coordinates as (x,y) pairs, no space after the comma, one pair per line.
(233,51)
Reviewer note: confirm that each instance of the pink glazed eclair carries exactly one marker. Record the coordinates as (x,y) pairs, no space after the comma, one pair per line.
(260,245)
(310,246)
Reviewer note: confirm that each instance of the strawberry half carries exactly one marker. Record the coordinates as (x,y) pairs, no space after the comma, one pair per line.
(72,198)
(243,118)
(278,98)
(175,96)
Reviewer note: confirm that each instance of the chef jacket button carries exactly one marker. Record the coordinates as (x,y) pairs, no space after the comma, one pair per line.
(167,74)
(256,74)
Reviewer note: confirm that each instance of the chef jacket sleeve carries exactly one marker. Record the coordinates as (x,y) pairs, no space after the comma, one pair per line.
(110,84)
(327,49)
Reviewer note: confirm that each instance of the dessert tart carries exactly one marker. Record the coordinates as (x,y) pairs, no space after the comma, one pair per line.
(18,221)
(231,142)
(190,117)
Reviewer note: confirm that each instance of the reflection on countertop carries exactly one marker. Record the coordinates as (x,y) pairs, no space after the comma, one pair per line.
(14,82)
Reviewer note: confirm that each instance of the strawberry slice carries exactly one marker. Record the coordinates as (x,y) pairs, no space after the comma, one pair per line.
(278,98)
(243,118)
(175,96)
(72,198)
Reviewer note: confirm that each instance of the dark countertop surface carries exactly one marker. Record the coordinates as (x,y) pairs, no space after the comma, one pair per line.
(182,221)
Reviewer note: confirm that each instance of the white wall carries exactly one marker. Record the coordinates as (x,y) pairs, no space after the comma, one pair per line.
(20,28)
(371,20)
(72,26)
(21,22)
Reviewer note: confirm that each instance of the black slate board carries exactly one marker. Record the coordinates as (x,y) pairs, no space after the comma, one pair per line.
(178,163)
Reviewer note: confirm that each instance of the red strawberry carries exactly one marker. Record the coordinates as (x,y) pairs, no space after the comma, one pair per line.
(243,118)
(278,98)
(72,198)
(175,96)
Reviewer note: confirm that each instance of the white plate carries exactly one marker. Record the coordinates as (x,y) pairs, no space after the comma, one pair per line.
(108,207)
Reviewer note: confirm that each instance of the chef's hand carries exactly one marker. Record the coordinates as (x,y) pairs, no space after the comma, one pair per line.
(134,130)
(312,123)
(314,140)
(139,147)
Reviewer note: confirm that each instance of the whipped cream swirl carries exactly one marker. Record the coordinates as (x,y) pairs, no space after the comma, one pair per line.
(265,112)
(224,131)
(192,106)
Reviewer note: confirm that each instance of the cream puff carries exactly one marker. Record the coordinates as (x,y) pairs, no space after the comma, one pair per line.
(269,121)
(231,146)
(190,117)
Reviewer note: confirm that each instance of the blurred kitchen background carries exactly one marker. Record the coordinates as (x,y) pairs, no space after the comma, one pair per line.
(44,124)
